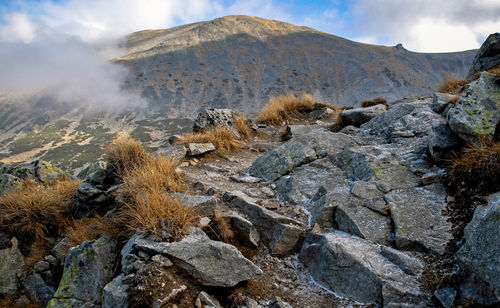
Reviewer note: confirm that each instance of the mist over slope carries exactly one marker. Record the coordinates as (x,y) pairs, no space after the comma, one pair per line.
(241,61)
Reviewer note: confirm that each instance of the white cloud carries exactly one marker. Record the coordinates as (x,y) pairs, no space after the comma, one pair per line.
(427,25)
(17,28)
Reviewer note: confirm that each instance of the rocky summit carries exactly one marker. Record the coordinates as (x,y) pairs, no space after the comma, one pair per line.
(390,205)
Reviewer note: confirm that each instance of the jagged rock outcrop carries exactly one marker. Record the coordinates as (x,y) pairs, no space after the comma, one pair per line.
(477,112)
(488,56)
(479,257)
(87,269)
(11,264)
(212,118)
(372,278)
(212,263)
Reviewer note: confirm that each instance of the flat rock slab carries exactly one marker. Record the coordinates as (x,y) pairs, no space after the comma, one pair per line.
(195,149)
(176,152)
(212,263)
(358,116)
(355,268)
(418,218)
(203,205)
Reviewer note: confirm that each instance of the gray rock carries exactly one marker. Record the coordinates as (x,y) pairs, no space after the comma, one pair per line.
(8,182)
(41,266)
(298,151)
(480,255)
(195,149)
(349,130)
(38,288)
(358,220)
(418,218)
(440,101)
(60,249)
(244,228)
(407,263)
(277,302)
(245,179)
(127,257)
(430,178)
(322,205)
(203,205)
(280,233)
(97,174)
(115,293)
(477,112)
(172,139)
(370,196)
(322,113)
(164,261)
(212,263)
(90,200)
(176,152)
(204,300)
(358,116)
(11,265)
(404,120)
(354,268)
(488,56)
(212,118)
(52,260)
(25,171)
(446,296)
(442,140)
(87,269)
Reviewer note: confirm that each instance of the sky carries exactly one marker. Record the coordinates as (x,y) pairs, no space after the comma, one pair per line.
(66,44)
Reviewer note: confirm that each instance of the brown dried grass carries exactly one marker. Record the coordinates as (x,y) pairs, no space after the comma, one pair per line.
(38,211)
(375,101)
(478,167)
(495,70)
(90,228)
(282,108)
(125,153)
(223,139)
(243,126)
(452,85)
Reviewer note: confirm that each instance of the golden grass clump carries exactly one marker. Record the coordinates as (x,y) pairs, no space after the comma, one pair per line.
(150,206)
(375,101)
(495,70)
(84,229)
(243,126)
(223,139)
(451,85)
(478,167)
(38,211)
(125,153)
(154,212)
(283,107)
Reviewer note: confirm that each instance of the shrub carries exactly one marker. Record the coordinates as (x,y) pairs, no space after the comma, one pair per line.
(283,107)
(223,139)
(451,85)
(125,153)
(477,169)
(374,101)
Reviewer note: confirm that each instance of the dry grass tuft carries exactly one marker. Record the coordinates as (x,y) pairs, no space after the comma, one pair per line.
(452,85)
(154,212)
(38,250)
(223,139)
(283,107)
(454,99)
(125,153)
(36,212)
(478,168)
(375,101)
(495,70)
(243,126)
(90,228)
(149,205)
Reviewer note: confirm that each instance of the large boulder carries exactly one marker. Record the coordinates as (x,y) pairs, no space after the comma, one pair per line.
(355,268)
(358,116)
(87,269)
(410,119)
(418,218)
(211,263)
(38,288)
(479,257)
(442,140)
(281,234)
(176,152)
(115,293)
(299,150)
(440,101)
(90,199)
(8,182)
(11,265)
(213,118)
(488,56)
(477,112)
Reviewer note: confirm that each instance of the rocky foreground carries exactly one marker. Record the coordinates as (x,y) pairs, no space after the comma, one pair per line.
(359,217)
